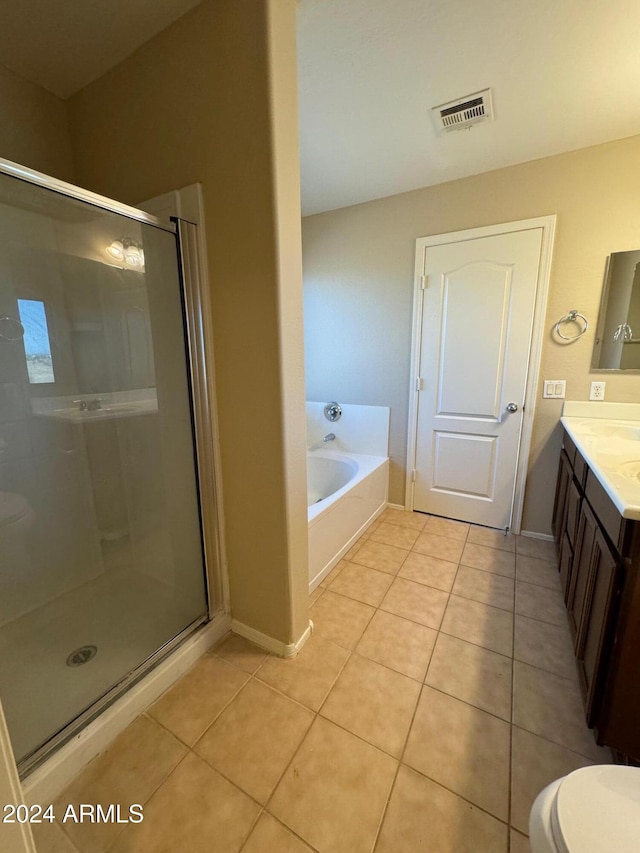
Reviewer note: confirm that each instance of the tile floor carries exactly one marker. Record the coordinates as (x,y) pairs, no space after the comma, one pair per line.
(435,698)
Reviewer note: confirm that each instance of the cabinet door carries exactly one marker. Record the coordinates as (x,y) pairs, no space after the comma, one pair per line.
(582,559)
(574,498)
(594,635)
(566,565)
(560,505)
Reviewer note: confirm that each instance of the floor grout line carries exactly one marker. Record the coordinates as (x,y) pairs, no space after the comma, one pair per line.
(554,743)
(406,740)
(393,783)
(455,793)
(386,666)
(149,798)
(403,763)
(297,750)
(469,704)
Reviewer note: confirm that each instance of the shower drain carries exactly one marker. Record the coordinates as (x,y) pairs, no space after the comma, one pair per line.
(82,655)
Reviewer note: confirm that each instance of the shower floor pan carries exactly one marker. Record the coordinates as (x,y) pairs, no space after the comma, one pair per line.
(105,628)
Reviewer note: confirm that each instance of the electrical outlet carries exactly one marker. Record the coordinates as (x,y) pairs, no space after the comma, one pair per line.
(597,391)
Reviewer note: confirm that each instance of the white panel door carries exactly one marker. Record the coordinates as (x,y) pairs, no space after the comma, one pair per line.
(477,321)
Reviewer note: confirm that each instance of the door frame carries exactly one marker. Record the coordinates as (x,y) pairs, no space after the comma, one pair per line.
(548,225)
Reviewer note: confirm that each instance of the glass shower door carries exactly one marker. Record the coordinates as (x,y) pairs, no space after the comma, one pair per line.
(101,549)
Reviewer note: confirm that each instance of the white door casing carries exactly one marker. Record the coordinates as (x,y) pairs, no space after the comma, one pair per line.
(478,318)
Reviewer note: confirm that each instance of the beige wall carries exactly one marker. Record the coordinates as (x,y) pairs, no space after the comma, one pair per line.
(34,130)
(212,99)
(358,272)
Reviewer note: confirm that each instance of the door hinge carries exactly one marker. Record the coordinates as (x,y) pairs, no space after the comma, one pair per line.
(419,383)
(423,281)
(413,475)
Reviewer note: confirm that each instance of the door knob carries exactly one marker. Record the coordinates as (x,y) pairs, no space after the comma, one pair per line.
(512,407)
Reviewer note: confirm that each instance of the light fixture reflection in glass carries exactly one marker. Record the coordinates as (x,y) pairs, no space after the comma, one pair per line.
(133,255)
(126,250)
(116,250)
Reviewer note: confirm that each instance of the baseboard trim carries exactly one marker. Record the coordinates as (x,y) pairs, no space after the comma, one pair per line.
(533,535)
(396,506)
(48,780)
(270,644)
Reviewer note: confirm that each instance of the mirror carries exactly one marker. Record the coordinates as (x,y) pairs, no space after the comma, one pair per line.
(617,345)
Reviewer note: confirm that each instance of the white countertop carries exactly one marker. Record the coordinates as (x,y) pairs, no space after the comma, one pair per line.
(608,437)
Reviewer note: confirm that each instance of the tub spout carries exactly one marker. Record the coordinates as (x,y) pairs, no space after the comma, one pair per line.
(329,437)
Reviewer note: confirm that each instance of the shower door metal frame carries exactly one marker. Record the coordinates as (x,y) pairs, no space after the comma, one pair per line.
(199,332)
(30,176)
(198,339)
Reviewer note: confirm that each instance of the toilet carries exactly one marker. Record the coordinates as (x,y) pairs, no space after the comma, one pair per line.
(592,810)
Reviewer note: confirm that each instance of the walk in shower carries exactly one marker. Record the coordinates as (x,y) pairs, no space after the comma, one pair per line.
(102,567)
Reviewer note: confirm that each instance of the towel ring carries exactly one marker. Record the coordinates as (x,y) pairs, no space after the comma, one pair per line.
(13,324)
(572,317)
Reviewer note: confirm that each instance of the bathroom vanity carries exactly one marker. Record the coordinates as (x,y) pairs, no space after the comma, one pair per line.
(596,525)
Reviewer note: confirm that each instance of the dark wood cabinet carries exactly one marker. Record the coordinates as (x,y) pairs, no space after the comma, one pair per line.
(574,500)
(579,581)
(616,718)
(594,635)
(565,564)
(599,565)
(566,513)
(565,472)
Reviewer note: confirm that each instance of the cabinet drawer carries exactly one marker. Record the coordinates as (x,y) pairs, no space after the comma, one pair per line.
(606,512)
(580,469)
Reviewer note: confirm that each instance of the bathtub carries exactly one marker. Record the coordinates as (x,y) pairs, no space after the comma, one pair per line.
(346,493)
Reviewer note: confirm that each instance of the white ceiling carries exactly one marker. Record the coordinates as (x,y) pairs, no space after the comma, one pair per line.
(565,74)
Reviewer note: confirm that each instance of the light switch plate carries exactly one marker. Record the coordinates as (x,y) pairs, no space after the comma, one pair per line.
(554,388)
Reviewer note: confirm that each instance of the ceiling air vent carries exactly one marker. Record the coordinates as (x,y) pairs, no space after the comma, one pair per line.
(463,112)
